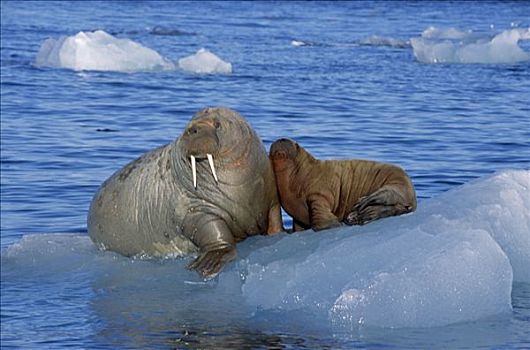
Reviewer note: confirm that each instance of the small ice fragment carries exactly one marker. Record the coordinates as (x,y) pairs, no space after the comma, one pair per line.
(205,62)
(297,43)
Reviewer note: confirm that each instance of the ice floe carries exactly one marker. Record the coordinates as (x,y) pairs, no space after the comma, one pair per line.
(100,51)
(451,45)
(453,260)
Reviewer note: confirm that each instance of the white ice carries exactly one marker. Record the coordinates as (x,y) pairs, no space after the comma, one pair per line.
(454,46)
(448,262)
(298,43)
(99,51)
(453,260)
(205,62)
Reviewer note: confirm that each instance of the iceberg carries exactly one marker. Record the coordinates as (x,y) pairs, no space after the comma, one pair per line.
(454,46)
(99,51)
(450,261)
(205,62)
(453,260)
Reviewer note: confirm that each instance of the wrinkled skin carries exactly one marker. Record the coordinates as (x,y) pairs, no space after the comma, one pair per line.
(154,207)
(323,194)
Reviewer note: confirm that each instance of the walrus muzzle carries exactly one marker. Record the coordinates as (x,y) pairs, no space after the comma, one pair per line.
(282,152)
(284,149)
(201,142)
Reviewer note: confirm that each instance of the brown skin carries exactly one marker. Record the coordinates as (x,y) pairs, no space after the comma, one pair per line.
(323,194)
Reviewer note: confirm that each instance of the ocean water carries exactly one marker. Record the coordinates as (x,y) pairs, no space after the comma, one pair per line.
(440,88)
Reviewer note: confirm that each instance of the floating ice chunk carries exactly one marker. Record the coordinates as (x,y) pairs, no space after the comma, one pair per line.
(451,261)
(448,33)
(298,43)
(205,61)
(99,51)
(454,46)
(446,283)
(428,272)
(499,205)
(47,254)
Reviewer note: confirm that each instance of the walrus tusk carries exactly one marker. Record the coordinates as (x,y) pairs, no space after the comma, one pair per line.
(210,161)
(194,171)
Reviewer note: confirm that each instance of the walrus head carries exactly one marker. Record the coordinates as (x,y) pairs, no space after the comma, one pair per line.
(213,134)
(283,153)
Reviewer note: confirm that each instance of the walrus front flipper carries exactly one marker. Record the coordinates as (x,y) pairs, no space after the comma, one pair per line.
(216,245)
(275,222)
(387,201)
(298,226)
(320,213)
(210,263)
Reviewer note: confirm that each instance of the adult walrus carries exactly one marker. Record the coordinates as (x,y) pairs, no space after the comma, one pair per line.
(204,192)
(322,194)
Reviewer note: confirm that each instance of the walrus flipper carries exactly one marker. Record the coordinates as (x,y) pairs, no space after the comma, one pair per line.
(372,213)
(298,226)
(216,246)
(275,223)
(210,263)
(320,213)
(387,201)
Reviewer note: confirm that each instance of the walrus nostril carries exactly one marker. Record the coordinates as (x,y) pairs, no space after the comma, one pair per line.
(284,148)
(278,154)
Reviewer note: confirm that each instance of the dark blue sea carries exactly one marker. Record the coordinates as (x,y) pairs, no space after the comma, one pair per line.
(440,88)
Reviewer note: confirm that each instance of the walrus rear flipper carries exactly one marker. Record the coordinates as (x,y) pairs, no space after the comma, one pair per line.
(299,226)
(320,212)
(216,245)
(275,222)
(387,201)
(374,212)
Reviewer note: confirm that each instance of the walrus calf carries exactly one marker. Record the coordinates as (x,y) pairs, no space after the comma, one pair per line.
(322,194)
(210,188)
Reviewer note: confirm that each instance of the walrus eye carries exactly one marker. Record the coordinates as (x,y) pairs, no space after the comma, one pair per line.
(217,124)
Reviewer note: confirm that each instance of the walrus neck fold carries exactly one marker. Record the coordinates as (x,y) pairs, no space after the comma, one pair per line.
(304,161)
